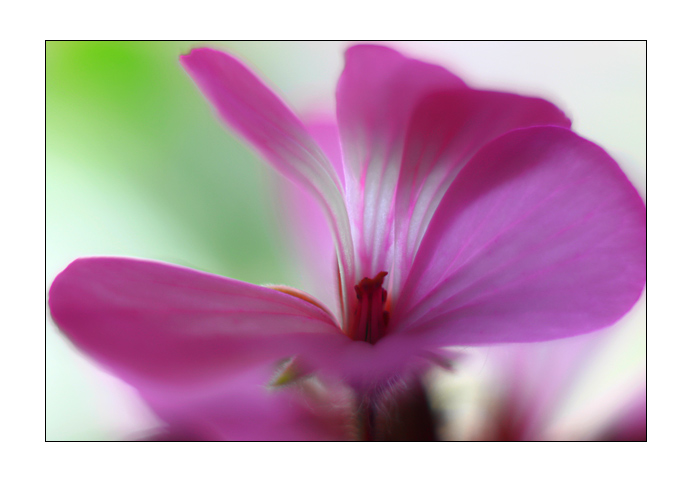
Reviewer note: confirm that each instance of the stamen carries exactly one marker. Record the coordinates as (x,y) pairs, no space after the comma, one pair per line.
(371,319)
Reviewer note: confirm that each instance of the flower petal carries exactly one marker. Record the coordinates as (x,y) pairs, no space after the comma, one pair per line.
(541,236)
(445,130)
(306,231)
(376,95)
(325,131)
(255,112)
(366,367)
(159,326)
(245,408)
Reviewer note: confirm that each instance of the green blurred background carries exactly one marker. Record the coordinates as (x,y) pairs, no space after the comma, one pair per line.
(138,165)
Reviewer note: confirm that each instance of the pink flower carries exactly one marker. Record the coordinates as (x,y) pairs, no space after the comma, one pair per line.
(532,382)
(459,217)
(630,425)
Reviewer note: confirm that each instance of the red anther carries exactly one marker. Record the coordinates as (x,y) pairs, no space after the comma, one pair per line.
(371,318)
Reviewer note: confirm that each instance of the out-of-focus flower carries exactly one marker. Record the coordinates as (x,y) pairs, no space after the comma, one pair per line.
(530,383)
(459,216)
(630,424)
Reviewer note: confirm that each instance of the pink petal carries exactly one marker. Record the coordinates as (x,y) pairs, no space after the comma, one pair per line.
(306,231)
(541,236)
(246,408)
(255,112)
(158,326)
(365,366)
(408,128)
(445,130)
(325,131)
(376,95)
(175,434)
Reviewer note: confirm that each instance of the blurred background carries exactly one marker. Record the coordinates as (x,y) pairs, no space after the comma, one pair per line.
(138,165)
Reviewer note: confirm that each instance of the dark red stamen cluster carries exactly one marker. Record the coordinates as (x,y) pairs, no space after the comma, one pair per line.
(371,318)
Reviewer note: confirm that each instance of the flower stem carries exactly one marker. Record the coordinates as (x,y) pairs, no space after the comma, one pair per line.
(399,413)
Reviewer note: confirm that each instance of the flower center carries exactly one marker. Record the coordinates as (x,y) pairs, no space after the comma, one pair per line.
(371,317)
